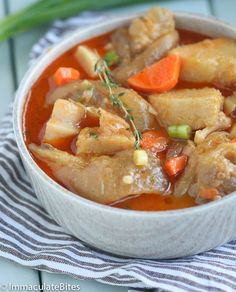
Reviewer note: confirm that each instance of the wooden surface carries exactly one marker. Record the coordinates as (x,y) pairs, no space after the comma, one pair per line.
(13,64)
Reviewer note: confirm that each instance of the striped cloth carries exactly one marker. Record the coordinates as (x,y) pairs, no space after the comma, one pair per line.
(29,236)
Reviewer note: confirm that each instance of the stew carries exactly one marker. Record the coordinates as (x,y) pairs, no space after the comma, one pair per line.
(142,118)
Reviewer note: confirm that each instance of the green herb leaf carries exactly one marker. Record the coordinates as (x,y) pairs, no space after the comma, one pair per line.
(111,58)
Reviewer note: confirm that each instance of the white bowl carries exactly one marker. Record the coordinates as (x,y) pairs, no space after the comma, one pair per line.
(165,234)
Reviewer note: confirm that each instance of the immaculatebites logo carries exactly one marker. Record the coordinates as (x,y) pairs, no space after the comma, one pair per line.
(43,287)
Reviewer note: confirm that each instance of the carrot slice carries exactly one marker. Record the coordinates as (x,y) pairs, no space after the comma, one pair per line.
(154,140)
(209,194)
(176,165)
(64,75)
(233,140)
(159,77)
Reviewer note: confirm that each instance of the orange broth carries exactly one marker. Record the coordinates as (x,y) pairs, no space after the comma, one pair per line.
(36,115)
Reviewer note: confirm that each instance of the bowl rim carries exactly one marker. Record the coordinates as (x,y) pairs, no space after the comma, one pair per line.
(37,69)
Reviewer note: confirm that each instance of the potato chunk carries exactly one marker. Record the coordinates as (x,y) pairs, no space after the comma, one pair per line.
(87,59)
(64,120)
(198,108)
(208,61)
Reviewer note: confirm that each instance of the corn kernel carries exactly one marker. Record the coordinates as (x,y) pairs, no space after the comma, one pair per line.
(198,138)
(127,179)
(140,157)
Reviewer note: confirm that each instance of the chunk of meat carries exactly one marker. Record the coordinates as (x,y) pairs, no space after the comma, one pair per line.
(144,42)
(112,124)
(111,136)
(94,93)
(212,165)
(64,120)
(198,108)
(121,44)
(77,90)
(145,29)
(92,141)
(222,123)
(153,53)
(143,113)
(208,61)
(100,179)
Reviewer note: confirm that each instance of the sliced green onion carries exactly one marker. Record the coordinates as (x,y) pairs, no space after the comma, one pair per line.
(111,58)
(180,131)
(44,11)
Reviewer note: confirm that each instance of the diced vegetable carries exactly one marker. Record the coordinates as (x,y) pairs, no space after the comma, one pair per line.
(232,133)
(229,104)
(65,75)
(198,108)
(87,59)
(111,58)
(140,157)
(209,194)
(233,140)
(64,120)
(159,77)
(199,136)
(176,165)
(180,131)
(154,141)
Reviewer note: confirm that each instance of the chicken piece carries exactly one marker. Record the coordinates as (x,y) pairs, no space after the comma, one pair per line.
(94,93)
(208,61)
(212,164)
(101,178)
(198,108)
(153,53)
(111,136)
(146,29)
(64,120)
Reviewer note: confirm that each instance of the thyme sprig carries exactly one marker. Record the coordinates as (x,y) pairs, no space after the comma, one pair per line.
(104,73)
